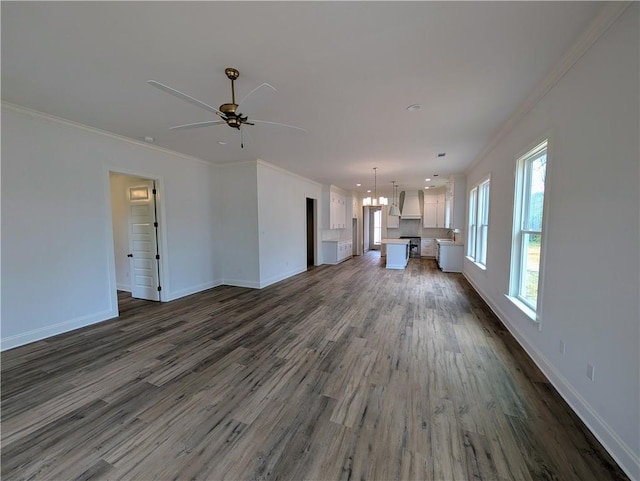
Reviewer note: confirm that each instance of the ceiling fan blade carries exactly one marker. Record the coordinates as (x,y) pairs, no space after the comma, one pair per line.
(183,96)
(194,125)
(254,90)
(278,123)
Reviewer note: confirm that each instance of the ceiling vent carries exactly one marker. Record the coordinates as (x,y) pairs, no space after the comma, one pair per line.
(411,205)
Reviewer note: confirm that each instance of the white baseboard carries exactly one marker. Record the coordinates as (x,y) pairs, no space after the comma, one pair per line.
(55,329)
(281,277)
(241,283)
(616,447)
(172,296)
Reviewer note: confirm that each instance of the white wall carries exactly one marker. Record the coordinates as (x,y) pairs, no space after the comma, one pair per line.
(282,219)
(58,268)
(239,224)
(591,266)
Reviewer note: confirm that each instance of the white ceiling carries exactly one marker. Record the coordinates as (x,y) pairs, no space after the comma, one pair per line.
(344,71)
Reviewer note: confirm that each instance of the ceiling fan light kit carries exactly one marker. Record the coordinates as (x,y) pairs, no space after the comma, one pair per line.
(228,112)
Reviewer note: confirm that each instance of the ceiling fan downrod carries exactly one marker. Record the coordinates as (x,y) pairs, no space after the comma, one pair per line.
(230,109)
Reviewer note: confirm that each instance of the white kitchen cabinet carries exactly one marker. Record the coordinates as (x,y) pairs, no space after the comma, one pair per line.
(450,256)
(427,247)
(336,251)
(434,210)
(336,209)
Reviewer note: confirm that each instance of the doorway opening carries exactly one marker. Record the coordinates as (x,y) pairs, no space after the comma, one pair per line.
(136,239)
(311,232)
(375,225)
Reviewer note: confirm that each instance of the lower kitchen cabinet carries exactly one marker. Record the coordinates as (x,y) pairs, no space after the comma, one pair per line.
(450,256)
(334,252)
(427,247)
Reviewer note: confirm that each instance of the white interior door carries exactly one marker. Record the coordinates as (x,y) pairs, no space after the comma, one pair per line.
(143,242)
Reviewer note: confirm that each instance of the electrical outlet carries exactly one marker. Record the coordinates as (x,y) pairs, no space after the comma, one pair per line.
(562,346)
(590,371)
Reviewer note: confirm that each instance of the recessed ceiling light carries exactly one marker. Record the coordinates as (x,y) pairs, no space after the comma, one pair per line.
(414,107)
(222,142)
(368,192)
(426,187)
(428,179)
(358,185)
(442,154)
(150,140)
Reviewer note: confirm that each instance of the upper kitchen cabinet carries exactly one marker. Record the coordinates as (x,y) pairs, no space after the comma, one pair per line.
(335,208)
(434,210)
(456,197)
(446,209)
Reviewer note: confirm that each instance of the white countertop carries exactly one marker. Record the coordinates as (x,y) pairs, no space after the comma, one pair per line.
(449,242)
(395,241)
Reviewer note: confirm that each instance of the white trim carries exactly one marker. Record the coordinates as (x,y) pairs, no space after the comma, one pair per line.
(163,277)
(526,310)
(281,277)
(520,189)
(94,130)
(172,296)
(292,174)
(55,329)
(616,447)
(241,283)
(607,17)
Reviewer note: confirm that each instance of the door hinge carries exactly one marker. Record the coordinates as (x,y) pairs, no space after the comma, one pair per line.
(154,191)
(155,224)
(159,288)
(157,256)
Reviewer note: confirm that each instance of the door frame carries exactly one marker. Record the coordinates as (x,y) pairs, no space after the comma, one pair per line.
(163,265)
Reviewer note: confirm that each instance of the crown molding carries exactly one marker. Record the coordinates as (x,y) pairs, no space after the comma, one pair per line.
(105,133)
(605,19)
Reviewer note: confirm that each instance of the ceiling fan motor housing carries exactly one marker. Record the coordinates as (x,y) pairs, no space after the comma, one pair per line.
(228,109)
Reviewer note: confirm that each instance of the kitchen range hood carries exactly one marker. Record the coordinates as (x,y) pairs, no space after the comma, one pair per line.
(411,206)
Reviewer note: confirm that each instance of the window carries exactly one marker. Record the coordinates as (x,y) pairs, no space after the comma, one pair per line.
(377,227)
(478,222)
(527,226)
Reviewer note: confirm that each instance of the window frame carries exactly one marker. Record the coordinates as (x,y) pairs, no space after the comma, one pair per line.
(521,232)
(473,223)
(478,222)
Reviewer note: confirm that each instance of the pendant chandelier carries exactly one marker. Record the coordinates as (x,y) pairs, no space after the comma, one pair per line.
(376,200)
(394,209)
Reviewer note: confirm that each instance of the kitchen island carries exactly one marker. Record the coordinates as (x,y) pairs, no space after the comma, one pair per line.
(397,253)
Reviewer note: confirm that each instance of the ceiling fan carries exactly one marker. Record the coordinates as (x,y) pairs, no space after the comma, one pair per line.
(229,113)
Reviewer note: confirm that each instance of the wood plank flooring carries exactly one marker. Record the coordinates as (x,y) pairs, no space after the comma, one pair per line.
(348,372)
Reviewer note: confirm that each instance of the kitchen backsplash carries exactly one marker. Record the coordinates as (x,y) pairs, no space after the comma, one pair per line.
(411,227)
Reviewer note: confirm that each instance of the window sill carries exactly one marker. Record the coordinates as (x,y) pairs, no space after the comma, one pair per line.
(482,267)
(530,313)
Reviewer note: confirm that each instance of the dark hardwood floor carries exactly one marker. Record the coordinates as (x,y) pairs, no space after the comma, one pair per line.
(348,372)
